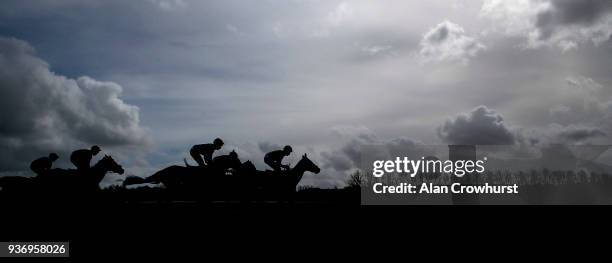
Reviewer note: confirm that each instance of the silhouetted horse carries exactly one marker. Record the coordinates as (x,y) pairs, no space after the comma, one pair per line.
(62,180)
(214,184)
(287,180)
(182,176)
(176,176)
(82,181)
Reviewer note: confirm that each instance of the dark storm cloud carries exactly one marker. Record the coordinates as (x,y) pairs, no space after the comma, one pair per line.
(348,156)
(566,24)
(41,111)
(574,12)
(484,126)
(571,12)
(481,126)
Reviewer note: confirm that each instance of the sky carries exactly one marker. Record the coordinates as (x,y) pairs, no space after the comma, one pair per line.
(146,79)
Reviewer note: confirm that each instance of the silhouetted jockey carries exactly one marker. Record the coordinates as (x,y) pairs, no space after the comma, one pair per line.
(43,164)
(228,161)
(274,159)
(206,150)
(82,158)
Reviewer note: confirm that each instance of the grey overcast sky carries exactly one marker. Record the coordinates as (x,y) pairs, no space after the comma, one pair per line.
(145,79)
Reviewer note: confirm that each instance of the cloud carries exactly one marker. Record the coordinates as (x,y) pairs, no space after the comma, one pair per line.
(347,157)
(572,134)
(41,111)
(511,17)
(585,120)
(584,116)
(376,49)
(169,4)
(576,133)
(565,24)
(205,79)
(266,147)
(582,101)
(337,161)
(354,132)
(355,141)
(340,14)
(569,13)
(448,42)
(481,126)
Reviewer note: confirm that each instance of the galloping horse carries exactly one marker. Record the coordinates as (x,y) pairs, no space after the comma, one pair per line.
(246,180)
(62,180)
(284,180)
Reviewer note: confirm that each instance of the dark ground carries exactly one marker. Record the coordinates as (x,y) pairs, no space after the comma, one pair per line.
(140,225)
(194,231)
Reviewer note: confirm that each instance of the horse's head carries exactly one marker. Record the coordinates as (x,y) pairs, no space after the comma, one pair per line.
(109,164)
(309,165)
